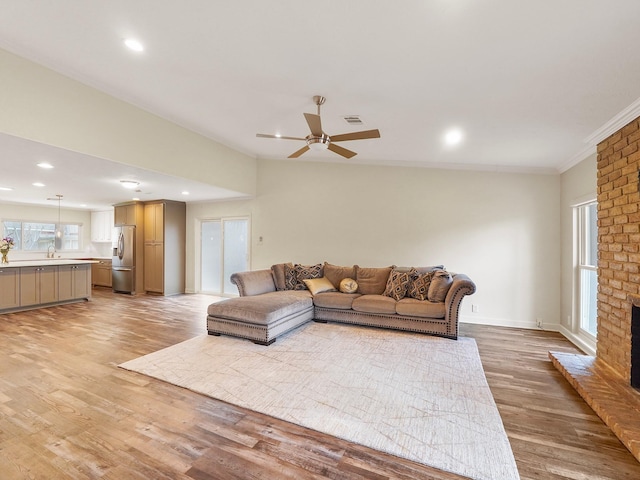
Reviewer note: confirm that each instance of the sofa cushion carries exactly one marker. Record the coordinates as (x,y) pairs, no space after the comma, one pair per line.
(336,274)
(398,282)
(261,309)
(440,284)
(306,272)
(318,285)
(374,304)
(419,308)
(278,273)
(419,287)
(336,300)
(372,281)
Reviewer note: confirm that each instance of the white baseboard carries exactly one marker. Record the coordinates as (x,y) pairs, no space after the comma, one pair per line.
(578,341)
(497,322)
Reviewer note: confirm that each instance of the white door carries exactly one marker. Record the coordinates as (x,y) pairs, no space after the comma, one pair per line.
(224,251)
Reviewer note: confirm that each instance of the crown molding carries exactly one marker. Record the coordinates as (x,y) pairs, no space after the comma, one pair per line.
(583,154)
(616,123)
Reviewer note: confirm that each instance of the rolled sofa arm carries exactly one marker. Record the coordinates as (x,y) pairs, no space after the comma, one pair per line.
(462,285)
(254,282)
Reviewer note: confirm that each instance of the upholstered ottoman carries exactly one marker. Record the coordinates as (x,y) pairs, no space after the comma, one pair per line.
(260,318)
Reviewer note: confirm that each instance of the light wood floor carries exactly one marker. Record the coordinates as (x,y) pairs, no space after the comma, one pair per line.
(67,411)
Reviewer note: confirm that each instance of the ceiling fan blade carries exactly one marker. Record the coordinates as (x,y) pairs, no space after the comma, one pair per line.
(264,135)
(296,154)
(341,151)
(315,125)
(356,135)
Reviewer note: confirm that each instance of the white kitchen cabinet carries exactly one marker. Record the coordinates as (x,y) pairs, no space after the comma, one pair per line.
(101,226)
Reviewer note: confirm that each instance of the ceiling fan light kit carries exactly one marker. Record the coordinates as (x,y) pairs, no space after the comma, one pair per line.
(318,140)
(318,143)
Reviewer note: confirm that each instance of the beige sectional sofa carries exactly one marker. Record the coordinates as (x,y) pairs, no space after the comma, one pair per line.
(277,300)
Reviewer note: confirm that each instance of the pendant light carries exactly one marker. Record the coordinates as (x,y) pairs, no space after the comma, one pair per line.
(58,233)
(59,229)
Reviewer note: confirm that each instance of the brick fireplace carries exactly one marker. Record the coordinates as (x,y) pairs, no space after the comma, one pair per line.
(618,244)
(605,381)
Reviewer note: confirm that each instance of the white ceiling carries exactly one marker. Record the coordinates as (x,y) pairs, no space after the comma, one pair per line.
(527,82)
(86,182)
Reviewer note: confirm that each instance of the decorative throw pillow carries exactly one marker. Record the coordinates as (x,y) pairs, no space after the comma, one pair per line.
(440,284)
(305,272)
(419,287)
(335,274)
(277,271)
(319,285)
(398,283)
(348,285)
(289,276)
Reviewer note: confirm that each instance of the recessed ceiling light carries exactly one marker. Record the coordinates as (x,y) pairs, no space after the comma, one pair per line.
(453,137)
(278,135)
(185,193)
(83,204)
(38,184)
(6,189)
(134,45)
(130,184)
(135,199)
(45,165)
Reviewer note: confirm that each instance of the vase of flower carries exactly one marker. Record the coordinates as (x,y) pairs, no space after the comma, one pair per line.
(6,244)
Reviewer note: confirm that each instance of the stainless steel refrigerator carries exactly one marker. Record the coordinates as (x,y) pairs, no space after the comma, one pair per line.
(124,259)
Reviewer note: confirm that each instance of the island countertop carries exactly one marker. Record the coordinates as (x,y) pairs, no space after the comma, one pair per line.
(45,262)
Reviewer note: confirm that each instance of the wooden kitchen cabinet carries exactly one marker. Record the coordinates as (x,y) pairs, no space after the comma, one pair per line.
(164,247)
(38,285)
(9,288)
(48,283)
(74,281)
(153,267)
(154,222)
(130,213)
(101,273)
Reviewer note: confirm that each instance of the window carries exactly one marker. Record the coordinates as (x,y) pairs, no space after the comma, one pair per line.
(587,265)
(39,236)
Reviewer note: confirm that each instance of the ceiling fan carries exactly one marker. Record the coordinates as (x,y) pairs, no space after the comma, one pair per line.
(318,140)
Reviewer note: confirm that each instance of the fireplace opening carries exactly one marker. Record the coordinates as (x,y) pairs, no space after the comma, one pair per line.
(635,347)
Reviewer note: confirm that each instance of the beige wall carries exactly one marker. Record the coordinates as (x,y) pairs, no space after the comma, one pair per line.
(502,229)
(39,104)
(578,186)
(505,230)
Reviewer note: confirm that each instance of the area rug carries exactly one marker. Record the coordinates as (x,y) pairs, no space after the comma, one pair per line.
(422,398)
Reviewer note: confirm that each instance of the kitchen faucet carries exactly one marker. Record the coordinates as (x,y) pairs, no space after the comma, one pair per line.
(50,253)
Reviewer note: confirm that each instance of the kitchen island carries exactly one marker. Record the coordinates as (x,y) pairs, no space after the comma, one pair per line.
(29,284)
